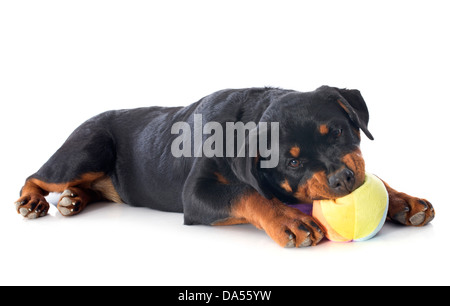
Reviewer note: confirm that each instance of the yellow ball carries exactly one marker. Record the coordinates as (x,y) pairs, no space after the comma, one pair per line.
(356,217)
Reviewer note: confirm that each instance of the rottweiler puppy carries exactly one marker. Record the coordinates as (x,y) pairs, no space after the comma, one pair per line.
(127,156)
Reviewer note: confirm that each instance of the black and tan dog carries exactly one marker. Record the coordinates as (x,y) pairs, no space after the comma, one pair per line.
(125,156)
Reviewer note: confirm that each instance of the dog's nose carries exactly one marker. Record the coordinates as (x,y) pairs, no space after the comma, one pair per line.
(342,181)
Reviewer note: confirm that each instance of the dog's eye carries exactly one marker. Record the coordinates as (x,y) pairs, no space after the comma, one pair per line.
(337,133)
(294,163)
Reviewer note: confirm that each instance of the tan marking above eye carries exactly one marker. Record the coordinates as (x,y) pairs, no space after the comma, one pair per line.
(295,151)
(323,129)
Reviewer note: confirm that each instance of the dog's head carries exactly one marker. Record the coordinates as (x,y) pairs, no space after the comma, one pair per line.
(319,155)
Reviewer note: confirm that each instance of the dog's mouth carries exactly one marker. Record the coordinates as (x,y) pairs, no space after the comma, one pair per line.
(336,185)
(321,187)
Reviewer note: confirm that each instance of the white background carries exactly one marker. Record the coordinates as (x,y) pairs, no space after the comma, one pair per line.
(62,62)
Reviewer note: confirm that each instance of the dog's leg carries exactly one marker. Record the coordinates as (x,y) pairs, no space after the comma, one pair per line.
(79,170)
(287,226)
(408,210)
(216,199)
(75,196)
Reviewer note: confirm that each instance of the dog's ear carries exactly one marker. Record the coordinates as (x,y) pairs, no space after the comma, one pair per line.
(355,106)
(246,166)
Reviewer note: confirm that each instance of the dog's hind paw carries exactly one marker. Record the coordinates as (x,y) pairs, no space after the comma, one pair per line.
(32,206)
(70,203)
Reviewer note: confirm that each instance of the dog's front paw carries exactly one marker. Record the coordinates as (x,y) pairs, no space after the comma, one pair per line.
(409,210)
(292,228)
(32,206)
